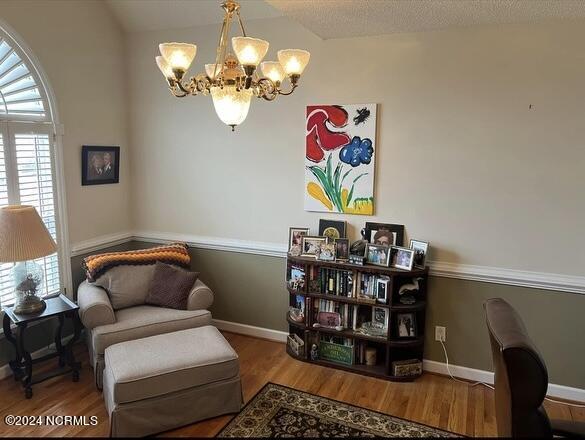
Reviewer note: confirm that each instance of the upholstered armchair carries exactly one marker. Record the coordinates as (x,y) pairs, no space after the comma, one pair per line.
(113,310)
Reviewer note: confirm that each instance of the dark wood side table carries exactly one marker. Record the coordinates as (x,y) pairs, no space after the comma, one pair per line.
(59,307)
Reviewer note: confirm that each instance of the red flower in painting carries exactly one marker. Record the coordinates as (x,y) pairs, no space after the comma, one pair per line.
(319,137)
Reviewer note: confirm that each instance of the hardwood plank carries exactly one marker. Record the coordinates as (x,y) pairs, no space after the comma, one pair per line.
(433,400)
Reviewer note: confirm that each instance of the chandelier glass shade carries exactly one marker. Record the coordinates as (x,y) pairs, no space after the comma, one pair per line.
(234,78)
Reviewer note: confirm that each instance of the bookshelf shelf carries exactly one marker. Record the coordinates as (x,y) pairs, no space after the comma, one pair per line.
(337,289)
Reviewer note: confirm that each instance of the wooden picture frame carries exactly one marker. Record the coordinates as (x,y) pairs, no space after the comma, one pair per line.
(100,165)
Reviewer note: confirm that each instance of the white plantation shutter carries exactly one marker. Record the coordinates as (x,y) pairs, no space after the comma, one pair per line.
(26,156)
(6,282)
(26,170)
(19,93)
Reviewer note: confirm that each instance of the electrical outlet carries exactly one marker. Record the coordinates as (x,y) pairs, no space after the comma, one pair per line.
(440,333)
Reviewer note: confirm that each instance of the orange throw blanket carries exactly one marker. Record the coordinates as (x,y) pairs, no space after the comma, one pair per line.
(174,253)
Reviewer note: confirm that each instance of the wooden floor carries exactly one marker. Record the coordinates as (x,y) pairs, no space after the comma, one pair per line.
(434,400)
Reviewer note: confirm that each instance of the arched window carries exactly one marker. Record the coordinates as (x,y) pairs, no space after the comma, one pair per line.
(27,159)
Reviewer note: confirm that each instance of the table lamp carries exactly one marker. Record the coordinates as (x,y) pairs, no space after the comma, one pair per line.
(23,238)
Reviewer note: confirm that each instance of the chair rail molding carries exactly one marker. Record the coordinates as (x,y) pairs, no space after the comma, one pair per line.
(101,242)
(487,274)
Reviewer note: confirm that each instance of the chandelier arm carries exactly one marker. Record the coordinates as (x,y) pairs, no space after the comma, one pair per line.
(188,90)
(290,92)
(241,23)
(176,93)
(222,35)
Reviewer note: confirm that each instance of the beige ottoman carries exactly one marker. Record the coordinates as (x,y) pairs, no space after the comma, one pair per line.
(166,381)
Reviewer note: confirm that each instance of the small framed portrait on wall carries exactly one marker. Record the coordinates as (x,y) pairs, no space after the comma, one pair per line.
(100,165)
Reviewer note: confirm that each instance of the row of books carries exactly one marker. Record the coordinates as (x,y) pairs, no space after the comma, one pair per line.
(342,283)
(333,281)
(348,313)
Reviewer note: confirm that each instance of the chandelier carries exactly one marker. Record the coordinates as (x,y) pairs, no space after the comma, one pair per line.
(233,79)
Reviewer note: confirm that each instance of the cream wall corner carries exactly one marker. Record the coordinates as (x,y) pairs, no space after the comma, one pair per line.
(81,48)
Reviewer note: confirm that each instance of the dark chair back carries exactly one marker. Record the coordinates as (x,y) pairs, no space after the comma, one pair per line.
(521,379)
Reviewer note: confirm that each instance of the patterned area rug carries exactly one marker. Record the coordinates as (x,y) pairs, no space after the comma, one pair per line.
(279,411)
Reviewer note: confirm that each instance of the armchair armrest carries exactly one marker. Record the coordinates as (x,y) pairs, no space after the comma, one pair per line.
(95,308)
(200,297)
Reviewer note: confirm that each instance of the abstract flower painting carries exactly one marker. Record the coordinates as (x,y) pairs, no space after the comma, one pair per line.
(340,152)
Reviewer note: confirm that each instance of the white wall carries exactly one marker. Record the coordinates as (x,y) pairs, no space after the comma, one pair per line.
(462,160)
(81,48)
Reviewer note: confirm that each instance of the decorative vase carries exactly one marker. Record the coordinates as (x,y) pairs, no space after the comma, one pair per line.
(28,280)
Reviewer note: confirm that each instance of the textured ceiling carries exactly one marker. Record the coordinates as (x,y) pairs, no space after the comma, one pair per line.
(149,15)
(352,18)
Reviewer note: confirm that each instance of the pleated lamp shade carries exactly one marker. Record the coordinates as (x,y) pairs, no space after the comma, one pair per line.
(23,235)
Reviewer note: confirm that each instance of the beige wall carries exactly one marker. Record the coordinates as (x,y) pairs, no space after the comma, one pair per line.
(462,160)
(81,49)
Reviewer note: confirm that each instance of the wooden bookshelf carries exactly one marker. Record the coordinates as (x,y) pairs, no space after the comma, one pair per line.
(351,293)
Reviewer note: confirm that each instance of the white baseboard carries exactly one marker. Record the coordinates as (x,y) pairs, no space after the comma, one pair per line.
(472,374)
(5,370)
(250,330)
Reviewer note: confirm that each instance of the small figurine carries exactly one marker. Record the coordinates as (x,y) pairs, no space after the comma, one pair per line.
(359,247)
(407,291)
(314,352)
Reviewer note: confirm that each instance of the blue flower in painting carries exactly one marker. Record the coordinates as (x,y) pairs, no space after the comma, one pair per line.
(358,151)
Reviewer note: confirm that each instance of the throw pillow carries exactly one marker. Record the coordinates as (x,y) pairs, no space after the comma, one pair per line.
(127,286)
(170,286)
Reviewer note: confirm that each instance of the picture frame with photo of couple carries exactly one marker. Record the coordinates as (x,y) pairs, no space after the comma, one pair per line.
(100,165)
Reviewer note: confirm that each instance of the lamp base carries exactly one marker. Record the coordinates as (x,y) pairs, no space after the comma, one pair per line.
(29,305)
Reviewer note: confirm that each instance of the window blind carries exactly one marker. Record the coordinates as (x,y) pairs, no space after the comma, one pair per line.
(26,164)
(19,93)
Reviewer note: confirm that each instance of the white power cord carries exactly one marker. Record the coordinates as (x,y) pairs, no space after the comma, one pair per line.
(490,386)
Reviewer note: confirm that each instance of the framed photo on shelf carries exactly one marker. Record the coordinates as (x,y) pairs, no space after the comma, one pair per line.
(384,234)
(311,245)
(381,316)
(296,279)
(100,165)
(332,229)
(402,258)
(342,249)
(327,252)
(421,249)
(378,254)
(382,284)
(406,323)
(295,240)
